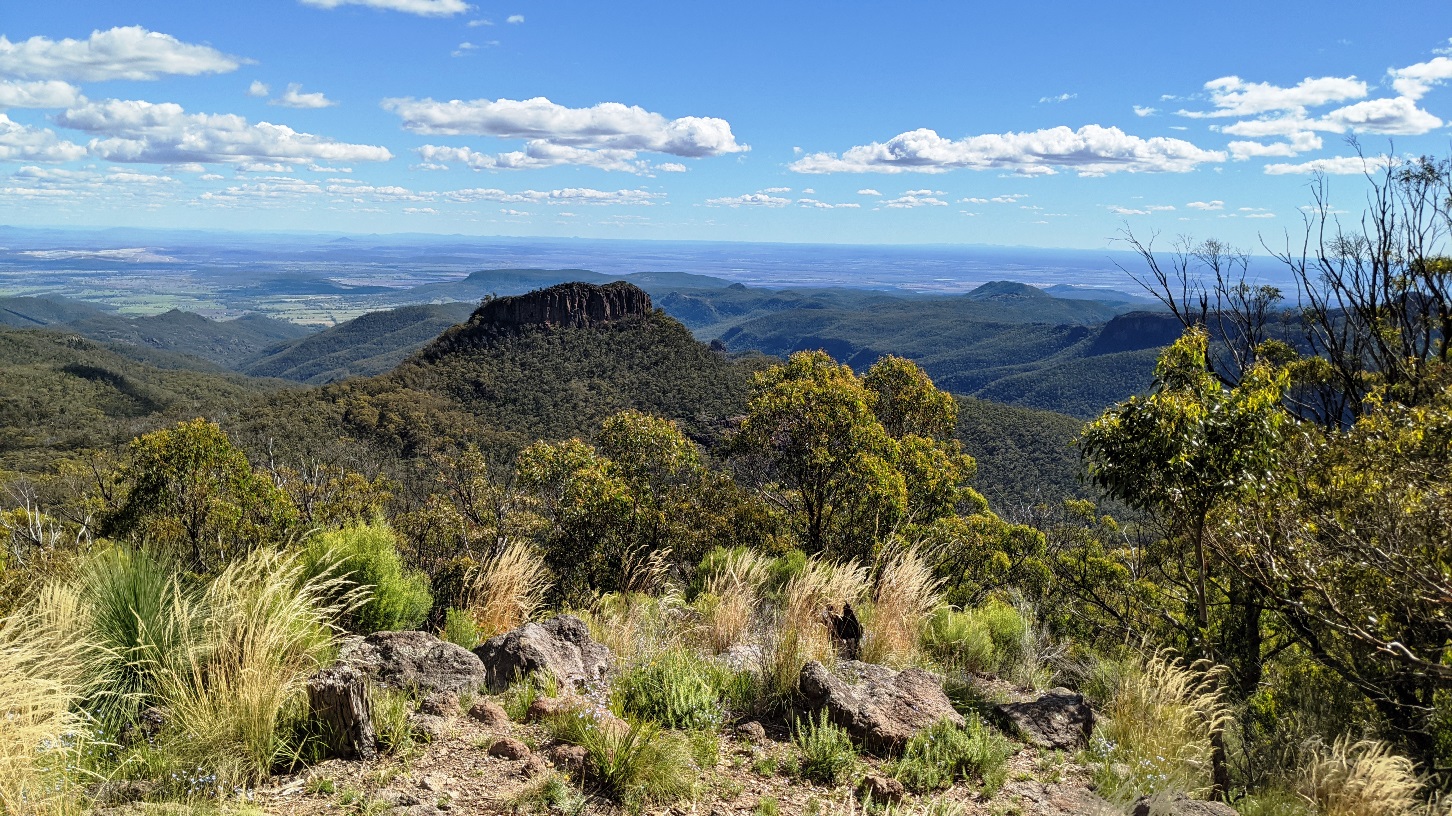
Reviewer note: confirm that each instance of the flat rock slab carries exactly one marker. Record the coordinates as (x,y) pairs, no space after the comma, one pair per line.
(881,708)
(414,661)
(1178,805)
(560,646)
(1059,720)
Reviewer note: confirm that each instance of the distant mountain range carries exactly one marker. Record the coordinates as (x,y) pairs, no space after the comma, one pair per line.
(1057,349)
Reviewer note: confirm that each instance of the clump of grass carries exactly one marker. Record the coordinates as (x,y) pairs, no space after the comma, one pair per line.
(391,709)
(41,729)
(827,752)
(642,625)
(460,629)
(676,688)
(550,794)
(522,693)
(1362,778)
(635,764)
(366,556)
(907,593)
(944,754)
(239,682)
(1155,733)
(733,588)
(502,594)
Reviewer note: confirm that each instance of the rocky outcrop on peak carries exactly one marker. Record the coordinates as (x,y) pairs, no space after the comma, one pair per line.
(566,306)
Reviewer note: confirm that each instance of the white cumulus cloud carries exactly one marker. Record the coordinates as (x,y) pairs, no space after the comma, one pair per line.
(164,133)
(1414,81)
(515,19)
(258,89)
(1397,117)
(535,155)
(1090,150)
(1298,143)
(1217,204)
(548,126)
(423,8)
(39,94)
(1336,166)
(1233,96)
(19,143)
(130,52)
(294,97)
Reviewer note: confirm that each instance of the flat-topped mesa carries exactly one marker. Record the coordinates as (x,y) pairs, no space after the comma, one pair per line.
(567,305)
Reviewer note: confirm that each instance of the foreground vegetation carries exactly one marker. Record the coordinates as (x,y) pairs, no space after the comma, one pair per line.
(1263,626)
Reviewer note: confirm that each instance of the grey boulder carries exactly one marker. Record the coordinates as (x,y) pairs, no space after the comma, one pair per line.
(415,661)
(879,707)
(560,646)
(1059,720)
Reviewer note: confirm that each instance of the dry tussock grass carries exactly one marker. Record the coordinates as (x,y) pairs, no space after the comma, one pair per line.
(1362,778)
(41,731)
(906,595)
(736,589)
(504,593)
(800,634)
(1158,725)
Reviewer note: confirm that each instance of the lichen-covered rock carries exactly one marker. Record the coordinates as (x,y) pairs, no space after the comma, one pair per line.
(753,732)
(879,707)
(427,728)
(881,790)
(440,704)
(560,646)
(1060,720)
(414,661)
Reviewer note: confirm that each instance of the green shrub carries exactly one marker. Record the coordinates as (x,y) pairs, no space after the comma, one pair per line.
(460,629)
(137,617)
(677,688)
(551,793)
(987,639)
(943,755)
(826,750)
(366,555)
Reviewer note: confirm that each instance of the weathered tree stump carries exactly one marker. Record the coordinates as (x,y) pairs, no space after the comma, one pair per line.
(338,699)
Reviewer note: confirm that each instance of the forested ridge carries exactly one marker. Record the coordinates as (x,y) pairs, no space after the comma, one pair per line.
(1232,585)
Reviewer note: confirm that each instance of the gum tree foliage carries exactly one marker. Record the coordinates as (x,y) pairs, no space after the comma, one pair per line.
(188,491)
(1346,539)
(854,461)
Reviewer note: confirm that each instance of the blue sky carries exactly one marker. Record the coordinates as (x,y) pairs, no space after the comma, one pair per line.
(1044,124)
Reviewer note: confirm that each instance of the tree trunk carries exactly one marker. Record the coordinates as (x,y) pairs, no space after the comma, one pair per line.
(338,699)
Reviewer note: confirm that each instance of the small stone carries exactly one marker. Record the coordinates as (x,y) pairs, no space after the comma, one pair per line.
(490,713)
(427,728)
(881,789)
(440,704)
(568,757)
(436,783)
(753,732)
(534,767)
(509,748)
(544,708)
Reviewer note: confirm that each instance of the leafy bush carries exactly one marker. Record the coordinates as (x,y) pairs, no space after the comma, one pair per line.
(826,751)
(460,629)
(366,555)
(986,640)
(945,754)
(677,688)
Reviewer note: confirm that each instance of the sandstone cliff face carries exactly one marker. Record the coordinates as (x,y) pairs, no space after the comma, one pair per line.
(568,306)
